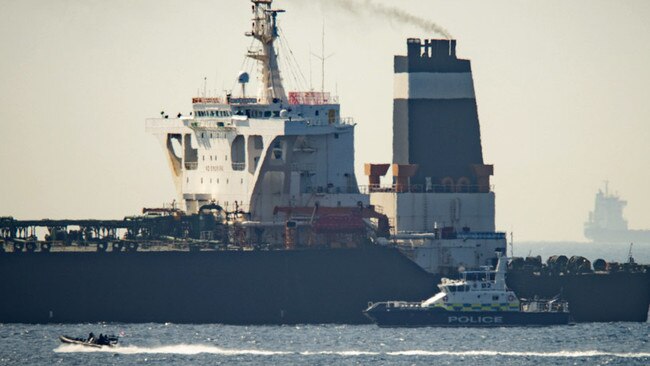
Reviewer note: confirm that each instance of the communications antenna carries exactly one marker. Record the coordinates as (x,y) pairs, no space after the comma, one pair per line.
(322,59)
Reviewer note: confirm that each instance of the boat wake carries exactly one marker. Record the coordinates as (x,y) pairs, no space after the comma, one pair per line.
(179,349)
(188,349)
(556,354)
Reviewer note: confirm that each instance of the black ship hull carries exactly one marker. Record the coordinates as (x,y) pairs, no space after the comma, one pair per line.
(419,317)
(263,287)
(232,287)
(592,297)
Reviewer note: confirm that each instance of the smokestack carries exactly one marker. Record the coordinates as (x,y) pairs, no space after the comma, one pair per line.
(435,119)
(413,46)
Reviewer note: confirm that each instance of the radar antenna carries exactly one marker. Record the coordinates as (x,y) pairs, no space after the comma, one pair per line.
(243,79)
(265,30)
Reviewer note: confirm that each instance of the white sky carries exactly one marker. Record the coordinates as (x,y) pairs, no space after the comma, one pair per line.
(562,89)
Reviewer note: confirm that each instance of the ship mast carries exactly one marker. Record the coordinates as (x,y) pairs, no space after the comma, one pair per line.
(265,30)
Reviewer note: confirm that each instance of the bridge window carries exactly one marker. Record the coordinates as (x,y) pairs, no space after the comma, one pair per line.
(277,150)
(238,153)
(190,155)
(254,147)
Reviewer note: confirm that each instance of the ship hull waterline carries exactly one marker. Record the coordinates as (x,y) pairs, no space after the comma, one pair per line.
(229,287)
(419,317)
(311,286)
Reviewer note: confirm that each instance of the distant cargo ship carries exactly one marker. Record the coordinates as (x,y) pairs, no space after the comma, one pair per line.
(606,223)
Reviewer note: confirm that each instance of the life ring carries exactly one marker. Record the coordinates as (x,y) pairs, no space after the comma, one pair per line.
(511,298)
(45,247)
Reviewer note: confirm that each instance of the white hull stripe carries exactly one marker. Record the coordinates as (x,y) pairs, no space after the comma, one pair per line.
(428,85)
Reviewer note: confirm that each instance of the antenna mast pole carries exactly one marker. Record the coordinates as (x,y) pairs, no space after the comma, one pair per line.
(322,59)
(322,83)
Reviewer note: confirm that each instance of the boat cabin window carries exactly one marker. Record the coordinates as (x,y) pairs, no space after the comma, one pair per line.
(495,297)
(479,276)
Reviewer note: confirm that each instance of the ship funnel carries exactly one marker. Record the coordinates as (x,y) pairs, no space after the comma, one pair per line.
(435,118)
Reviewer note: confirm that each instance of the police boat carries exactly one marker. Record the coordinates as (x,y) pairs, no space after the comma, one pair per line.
(477,299)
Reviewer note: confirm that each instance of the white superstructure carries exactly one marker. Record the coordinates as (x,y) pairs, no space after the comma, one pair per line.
(252,154)
(476,291)
(259,155)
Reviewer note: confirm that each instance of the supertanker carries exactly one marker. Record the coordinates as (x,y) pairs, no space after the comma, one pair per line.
(272,226)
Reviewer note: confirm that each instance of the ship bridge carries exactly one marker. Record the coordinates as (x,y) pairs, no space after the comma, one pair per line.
(252,153)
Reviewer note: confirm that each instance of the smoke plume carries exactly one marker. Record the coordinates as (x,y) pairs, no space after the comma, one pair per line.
(391,13)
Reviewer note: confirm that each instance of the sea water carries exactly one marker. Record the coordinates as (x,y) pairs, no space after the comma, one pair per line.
(213,344)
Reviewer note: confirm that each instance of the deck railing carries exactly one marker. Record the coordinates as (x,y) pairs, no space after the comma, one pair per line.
(420,188)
